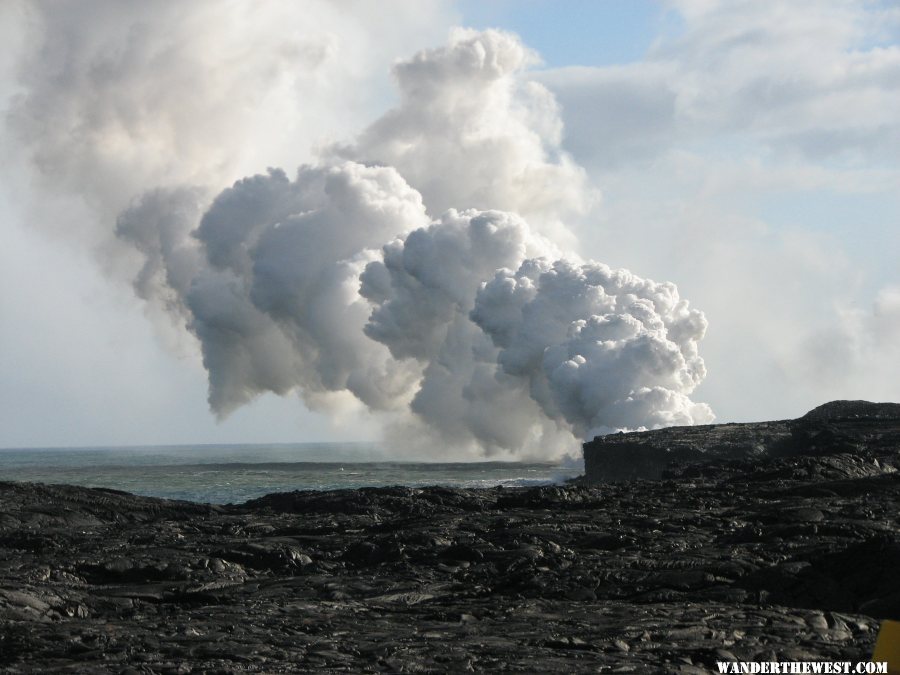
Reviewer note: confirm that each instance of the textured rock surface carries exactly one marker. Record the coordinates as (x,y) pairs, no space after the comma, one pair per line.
(833,428)
(789,557)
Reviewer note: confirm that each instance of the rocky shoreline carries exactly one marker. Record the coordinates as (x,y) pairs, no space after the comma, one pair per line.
(860,428)
(777,556)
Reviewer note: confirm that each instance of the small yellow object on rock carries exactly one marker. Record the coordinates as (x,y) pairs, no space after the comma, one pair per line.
(887,647)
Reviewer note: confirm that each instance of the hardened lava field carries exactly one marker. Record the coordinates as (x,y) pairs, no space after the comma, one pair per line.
(789,557)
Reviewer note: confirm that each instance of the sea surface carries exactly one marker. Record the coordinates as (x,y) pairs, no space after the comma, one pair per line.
(222,474)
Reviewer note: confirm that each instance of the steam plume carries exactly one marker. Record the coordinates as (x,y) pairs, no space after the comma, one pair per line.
(416,271)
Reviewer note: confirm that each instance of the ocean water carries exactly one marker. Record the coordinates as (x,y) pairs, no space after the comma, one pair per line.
(235,473)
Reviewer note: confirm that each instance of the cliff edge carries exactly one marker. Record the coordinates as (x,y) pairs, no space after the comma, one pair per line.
(846,431)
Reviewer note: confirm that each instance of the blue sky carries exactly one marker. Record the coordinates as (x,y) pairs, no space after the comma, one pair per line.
(746,151)
(576,32)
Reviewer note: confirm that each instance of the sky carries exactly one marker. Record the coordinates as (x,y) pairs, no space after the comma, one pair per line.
(746,152)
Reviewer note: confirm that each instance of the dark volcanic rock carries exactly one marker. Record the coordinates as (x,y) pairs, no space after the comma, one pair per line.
(777,556)
(854,428)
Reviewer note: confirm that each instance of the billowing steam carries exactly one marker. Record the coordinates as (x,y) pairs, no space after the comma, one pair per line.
(470,322)
(471,132)
(600,348)
(417,271)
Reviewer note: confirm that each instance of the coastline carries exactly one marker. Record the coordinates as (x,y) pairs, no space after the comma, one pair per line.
(248,471)
(720,562)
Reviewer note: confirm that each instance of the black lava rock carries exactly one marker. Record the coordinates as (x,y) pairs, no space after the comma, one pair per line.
(780,543)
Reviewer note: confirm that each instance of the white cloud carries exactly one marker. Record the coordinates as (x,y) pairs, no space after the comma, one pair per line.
(288,287)
(857,356)
(791,78)
(473,130)
(104,101)
(719,155)
(279,308)
(601,348)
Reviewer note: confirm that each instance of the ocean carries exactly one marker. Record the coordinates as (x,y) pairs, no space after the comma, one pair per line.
(222,474)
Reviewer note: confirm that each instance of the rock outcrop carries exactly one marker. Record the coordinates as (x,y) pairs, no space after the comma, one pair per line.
(852,429)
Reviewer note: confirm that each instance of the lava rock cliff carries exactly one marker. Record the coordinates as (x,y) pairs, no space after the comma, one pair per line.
(846,430)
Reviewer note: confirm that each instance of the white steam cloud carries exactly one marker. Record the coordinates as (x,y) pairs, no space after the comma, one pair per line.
(472,131)
(600,348)
(416,272)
